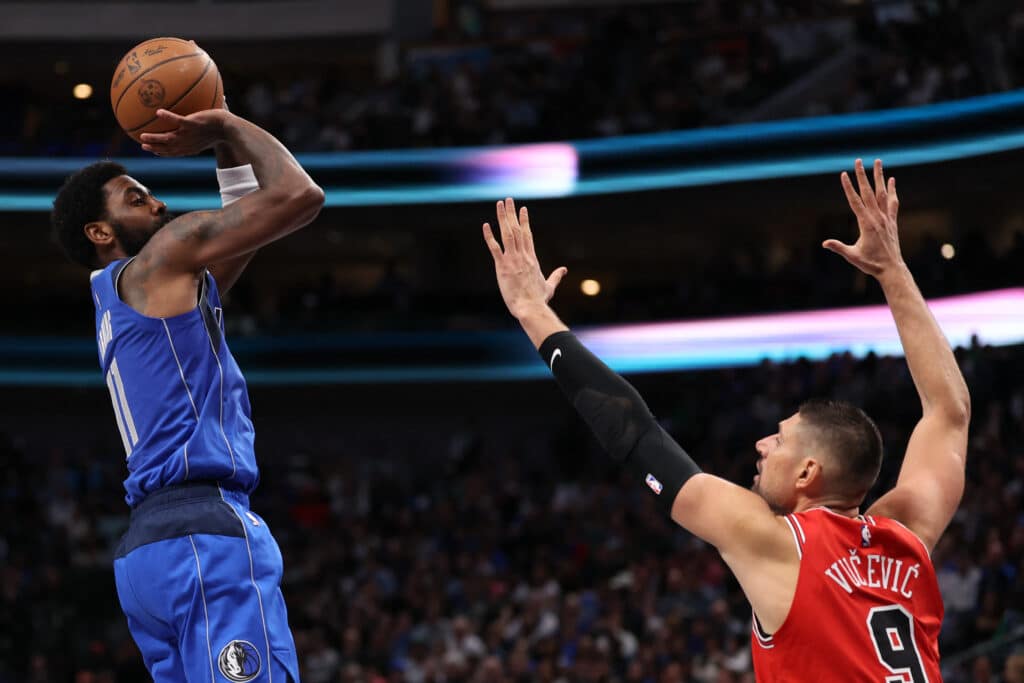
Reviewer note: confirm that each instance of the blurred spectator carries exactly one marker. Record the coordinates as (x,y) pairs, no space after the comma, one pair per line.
(525,557)
(554,75)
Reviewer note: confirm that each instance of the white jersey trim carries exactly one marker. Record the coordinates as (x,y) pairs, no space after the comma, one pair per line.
(206,611)
(910,531)
(762,638)
(796,539)
(252,577)
(793,518)
(220,368)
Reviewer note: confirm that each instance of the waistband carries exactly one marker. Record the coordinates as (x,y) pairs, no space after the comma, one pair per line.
(187,492)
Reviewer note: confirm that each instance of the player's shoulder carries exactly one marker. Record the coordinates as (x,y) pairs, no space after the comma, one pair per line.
(872,528)
(900,530)
(823,519)
(102,281)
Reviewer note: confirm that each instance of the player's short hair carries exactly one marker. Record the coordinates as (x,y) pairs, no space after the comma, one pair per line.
(851,439)
(81,200)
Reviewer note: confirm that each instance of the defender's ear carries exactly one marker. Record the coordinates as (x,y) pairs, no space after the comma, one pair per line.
(810,475)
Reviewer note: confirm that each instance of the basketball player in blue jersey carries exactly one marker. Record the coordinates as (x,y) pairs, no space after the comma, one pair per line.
(198,573)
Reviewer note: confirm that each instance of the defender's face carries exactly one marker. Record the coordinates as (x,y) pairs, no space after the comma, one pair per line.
(778,463)
(133,213)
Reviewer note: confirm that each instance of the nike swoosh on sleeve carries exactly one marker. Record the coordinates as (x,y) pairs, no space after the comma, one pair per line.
(556,354)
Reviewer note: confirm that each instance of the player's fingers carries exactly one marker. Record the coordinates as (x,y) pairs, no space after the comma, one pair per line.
(880,186)
(515,235)
(555,278)
(492,244)
(507,238)
(866,193)
(844,250)
(851,195)
(168,115)
(156,137)
(894,201)
(510,209)
(524,227)
(159,150)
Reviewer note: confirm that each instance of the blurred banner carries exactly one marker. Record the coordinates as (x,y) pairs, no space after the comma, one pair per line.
(707,156)
(991,318)
(62,20)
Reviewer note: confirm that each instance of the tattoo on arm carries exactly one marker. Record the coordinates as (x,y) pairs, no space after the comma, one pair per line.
(203,226)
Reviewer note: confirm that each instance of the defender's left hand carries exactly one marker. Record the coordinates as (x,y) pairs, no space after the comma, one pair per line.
(522,284)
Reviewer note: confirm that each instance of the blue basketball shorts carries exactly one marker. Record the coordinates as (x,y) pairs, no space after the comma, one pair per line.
(199,577)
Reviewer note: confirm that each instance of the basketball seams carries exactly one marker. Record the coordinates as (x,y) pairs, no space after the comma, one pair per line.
(132,82)
(216,91)
(172,105)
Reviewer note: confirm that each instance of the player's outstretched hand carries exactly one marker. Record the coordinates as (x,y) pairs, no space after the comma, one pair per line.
(522,284)
(192,134)
(878,246)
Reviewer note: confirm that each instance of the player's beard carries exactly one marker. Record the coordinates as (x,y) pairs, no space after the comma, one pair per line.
(132,241)
(775,507)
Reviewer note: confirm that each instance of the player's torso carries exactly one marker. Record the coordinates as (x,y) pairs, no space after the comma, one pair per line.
(867,607)
(179,398)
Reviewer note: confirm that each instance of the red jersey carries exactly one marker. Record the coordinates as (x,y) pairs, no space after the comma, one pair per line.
(867,607)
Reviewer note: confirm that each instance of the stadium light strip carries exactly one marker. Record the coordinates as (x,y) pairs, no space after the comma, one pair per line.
(995,318)
(564,182)
(559,169)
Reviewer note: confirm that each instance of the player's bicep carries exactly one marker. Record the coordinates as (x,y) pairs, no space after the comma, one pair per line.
(200,238)
(731,518)
(931,481)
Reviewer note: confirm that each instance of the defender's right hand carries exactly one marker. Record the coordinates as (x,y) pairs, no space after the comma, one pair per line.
(877,249)
(193,133)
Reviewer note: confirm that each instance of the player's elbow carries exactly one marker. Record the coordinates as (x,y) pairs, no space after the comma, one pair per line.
(960,412)
(306,202)
(956,411)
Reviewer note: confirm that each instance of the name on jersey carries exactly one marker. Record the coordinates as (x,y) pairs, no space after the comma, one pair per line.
(874,571)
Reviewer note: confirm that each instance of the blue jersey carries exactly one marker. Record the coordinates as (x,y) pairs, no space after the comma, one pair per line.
(179,398)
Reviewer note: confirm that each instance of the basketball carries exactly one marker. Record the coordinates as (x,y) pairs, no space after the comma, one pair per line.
(163,73)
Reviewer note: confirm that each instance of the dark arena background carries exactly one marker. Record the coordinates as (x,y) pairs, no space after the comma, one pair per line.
(443,513)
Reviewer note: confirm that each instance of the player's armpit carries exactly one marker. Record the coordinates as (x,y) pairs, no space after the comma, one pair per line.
(731,518)
(931,481)
(227,272)
(756,543)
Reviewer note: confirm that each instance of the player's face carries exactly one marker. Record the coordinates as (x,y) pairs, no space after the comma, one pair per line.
(133,213)
(777,465)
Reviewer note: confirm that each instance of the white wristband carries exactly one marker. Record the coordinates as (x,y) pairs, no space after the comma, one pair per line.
(235,183)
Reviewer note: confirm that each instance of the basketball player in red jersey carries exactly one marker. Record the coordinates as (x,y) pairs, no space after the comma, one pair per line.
(836,595)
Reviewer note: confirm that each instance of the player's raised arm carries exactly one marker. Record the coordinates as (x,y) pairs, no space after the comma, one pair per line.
(737,521)
(931,481)
(236,178)
(287,199)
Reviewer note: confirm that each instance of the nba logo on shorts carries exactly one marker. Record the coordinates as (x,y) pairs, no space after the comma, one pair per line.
(239,661)
(654,484)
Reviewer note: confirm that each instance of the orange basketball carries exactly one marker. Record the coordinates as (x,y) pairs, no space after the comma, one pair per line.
(163,73)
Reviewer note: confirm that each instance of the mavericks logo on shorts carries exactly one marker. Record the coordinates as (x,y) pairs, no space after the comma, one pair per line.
(239,661)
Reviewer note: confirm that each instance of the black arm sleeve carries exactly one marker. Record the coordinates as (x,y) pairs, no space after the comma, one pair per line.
(619,418)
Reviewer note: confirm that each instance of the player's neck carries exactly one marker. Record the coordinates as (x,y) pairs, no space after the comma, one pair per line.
(837,506)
